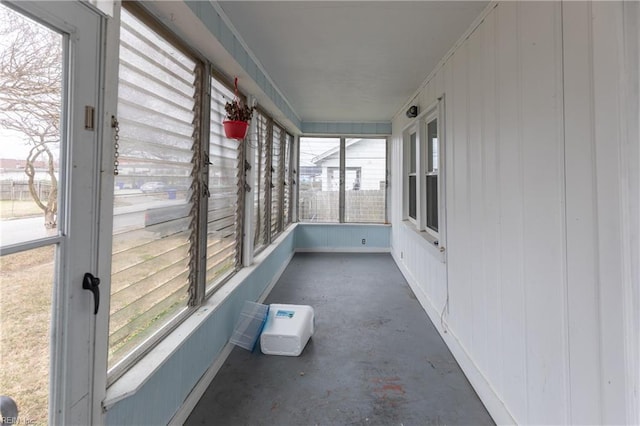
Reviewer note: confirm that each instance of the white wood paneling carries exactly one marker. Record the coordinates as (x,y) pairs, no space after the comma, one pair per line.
(535,198)
(490,225)
(475,197)
(461,296)
(582,250)
(607,101)
(630,177)
(542,162)
(510,216)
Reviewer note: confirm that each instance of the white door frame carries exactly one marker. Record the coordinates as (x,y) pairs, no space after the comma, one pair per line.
(73,322)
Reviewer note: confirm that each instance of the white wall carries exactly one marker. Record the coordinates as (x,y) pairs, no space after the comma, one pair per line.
(541,264)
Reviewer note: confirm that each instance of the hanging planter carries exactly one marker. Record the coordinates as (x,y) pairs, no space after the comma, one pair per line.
(238,117)
(235,129)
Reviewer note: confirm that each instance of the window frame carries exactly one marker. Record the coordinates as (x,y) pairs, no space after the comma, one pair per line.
(419,126)
(277,180)
(140,351)
(271,179)
(197,286)
(262,150)
(342,174)
(287,192)
(363,178)
(206,163)
(432,114)
(410,130)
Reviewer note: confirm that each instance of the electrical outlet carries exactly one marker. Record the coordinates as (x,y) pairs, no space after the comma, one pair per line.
(401,255)
(364,241)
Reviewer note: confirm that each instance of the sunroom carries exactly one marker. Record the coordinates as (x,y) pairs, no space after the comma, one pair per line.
(467,168)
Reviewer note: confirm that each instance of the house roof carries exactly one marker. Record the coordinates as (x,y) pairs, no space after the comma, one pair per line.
(335,150)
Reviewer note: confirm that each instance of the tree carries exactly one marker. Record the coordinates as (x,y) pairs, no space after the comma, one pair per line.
(30,97)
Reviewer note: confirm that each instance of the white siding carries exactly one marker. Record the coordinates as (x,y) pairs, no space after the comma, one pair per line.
(537,186)
(358,155)
(581,242)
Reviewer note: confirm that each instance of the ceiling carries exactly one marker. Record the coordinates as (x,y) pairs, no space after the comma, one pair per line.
(349,61)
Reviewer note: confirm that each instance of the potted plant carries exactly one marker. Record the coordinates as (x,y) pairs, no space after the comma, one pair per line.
(238,117)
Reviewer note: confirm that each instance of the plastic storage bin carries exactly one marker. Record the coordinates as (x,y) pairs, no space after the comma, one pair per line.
(250,324)
(287,330)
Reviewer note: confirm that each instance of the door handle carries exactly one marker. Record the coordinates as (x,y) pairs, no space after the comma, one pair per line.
(91,283)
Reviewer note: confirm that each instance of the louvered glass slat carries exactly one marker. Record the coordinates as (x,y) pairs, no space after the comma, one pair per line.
(260,184)
(152,198)
(286,214)
(276,181)
(224,173)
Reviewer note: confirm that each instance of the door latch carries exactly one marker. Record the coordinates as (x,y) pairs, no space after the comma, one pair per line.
(91,283)
(89,117)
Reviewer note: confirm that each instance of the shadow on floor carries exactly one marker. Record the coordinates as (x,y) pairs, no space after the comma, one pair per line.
(376,359)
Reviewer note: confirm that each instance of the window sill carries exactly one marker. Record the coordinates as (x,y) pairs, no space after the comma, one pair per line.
(437,251)
(135,378)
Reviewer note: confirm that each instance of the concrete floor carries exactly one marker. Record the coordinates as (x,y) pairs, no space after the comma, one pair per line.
(375,359)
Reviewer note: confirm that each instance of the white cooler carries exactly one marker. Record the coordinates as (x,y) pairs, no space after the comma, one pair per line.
(287,330)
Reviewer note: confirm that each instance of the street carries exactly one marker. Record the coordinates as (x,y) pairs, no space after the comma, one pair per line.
(125,218)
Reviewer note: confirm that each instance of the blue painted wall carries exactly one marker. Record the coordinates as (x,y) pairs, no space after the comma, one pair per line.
(163,394)
(216,26)
(336,237)
(331,128)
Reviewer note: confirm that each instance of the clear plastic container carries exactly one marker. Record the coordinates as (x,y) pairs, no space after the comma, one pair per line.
(249,325)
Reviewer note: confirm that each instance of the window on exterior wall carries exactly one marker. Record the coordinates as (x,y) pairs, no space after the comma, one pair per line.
(277,179)
(180,189)
(424,149)
(324,177)
(288,182)
(365,180)
(412,176)
(261,183)
(431,184)
(272,210)
(224,193)
(154,222)
(319,180)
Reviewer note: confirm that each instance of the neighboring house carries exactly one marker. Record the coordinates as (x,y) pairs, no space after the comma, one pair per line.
(362,172)
(12,169)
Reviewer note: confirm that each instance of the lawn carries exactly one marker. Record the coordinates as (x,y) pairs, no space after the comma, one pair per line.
(149,285)
(25,311)
(12,209)
(25,315)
